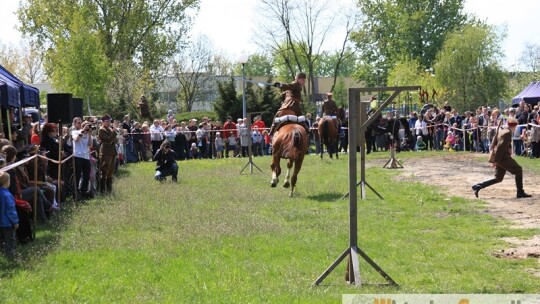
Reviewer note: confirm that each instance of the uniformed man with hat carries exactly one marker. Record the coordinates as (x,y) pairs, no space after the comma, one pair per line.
(330,108)
(107,154)
(503,161)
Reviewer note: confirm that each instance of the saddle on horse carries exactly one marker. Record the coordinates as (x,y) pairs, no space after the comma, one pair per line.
(289,112)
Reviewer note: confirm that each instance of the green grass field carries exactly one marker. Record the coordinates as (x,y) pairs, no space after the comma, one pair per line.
(222,237)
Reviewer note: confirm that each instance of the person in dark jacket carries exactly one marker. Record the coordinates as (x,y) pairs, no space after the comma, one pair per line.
(166,163)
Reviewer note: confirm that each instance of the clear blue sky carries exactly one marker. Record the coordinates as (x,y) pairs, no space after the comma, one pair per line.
(229,23)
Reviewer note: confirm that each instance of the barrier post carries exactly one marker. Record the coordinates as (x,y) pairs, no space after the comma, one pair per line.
(36,163)
(59,163)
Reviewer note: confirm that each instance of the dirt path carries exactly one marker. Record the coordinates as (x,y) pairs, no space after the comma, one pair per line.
(455,174)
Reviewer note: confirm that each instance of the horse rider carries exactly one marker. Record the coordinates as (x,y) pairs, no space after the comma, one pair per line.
(291,96)
(330,108)
(107,154)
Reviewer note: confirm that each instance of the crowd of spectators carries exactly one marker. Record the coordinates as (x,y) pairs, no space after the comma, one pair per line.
(445,129)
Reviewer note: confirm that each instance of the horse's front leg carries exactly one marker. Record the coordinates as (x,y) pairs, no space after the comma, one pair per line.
(288,176)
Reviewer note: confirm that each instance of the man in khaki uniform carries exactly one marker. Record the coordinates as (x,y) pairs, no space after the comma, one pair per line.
(291,96)
(107,154)
(503,161)
(329,108)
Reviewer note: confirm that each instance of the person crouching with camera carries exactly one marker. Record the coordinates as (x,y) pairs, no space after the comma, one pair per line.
(166,163)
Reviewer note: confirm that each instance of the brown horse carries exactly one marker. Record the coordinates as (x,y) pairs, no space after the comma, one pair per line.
(329,136)
(291,142)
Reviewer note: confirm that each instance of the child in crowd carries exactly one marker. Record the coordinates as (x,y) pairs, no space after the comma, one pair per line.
(194,151)
(231,145)
(420,144)
(219,145)
(267,141)
(9,221)
(457,144)
(449,141)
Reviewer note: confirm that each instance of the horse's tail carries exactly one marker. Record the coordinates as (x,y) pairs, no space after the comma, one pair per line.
(325,136)
(297,139)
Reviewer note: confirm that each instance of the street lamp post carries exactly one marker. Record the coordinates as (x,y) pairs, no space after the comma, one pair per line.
(243,59)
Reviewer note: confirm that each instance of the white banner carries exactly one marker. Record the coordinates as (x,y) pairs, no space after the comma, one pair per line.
(441,298)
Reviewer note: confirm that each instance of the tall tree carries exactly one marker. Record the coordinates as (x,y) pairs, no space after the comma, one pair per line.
(468,66)
(143,30)
(9,57)
(412,29)
(228,103)
(258,64)
(78,65)
(26,61)
(530,57)
(295,31)
(191,68)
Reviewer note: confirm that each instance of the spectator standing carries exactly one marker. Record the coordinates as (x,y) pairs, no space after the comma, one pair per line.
(231,145)
(107,154)
(267,142)
(229,127)
(256,142)
(35,138)
(244,136)
(421,129)
(183,137)
(156,134)
(138,142)
(192,127)
(219,144)
(9,221)
(82,143)
(26,129)
(535,137)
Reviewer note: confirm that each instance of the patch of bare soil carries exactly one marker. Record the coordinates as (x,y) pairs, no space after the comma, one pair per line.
(455,173)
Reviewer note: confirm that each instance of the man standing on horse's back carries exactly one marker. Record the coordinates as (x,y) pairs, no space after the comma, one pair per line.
(291,97)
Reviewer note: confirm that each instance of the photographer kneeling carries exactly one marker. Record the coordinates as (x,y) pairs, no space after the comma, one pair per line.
(166,163)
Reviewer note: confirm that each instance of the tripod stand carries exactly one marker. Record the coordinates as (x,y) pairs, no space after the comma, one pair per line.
(393,162)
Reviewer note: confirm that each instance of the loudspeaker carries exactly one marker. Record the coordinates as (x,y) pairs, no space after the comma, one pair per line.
(77,107)
(59,107)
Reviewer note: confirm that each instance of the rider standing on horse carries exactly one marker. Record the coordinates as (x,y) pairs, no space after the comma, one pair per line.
(330,108)
(291,96)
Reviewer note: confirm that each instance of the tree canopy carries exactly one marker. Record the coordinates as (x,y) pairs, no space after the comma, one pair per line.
(468,66)
(393,31)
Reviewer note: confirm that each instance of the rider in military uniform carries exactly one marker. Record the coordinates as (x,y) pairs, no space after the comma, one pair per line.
(330,108)
(291,96)
(503,161)
(107,154)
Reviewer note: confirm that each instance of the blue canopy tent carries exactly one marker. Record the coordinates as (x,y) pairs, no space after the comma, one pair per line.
(15,94)
(30,96)
(530,94)
(9,92)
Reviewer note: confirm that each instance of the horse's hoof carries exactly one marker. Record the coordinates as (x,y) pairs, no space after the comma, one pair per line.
(286,185)
(273,184)
(291,194)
